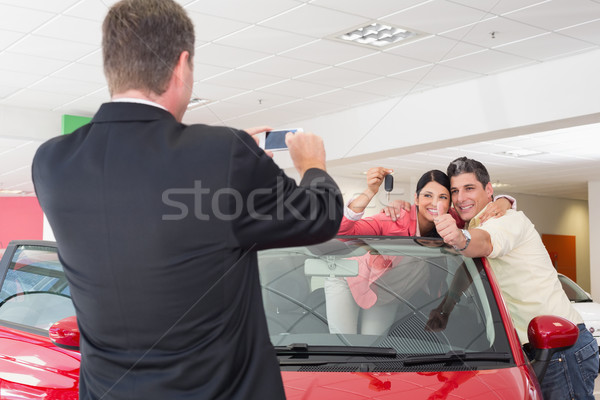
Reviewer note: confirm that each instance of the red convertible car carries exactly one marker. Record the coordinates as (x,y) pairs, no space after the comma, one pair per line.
(336,336)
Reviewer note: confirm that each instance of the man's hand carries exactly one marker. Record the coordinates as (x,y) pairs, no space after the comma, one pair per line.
(437,320)
(255,131)
(393,210)
(447,229)
(306,150)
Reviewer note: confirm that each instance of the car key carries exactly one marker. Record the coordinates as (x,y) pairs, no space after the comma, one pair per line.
(388,185)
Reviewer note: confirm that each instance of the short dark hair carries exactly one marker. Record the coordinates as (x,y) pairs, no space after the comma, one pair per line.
(141,44)
(464,165)
(435,175)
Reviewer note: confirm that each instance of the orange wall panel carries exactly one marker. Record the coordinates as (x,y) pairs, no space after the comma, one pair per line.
(562,251)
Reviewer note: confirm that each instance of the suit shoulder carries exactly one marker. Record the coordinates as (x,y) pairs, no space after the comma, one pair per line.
(217,132)
(62,143)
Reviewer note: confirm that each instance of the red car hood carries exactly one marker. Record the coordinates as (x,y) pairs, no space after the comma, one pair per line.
(507,384)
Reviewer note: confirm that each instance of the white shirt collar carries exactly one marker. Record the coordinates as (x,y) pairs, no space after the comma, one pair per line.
(139,101)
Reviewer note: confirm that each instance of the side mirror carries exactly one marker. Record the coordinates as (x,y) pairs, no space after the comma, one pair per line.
(548,334)
(65,333)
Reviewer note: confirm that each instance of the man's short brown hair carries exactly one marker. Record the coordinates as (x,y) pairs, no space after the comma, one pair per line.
(141,43)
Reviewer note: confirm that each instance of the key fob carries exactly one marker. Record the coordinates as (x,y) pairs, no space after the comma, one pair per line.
(388,183)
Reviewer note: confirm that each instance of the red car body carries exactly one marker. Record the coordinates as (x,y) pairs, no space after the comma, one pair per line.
(32,366)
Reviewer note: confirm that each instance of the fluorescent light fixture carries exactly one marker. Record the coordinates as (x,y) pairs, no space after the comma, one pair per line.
(196,102)
(521,153)
(498,184)
(376,34)
(9,191)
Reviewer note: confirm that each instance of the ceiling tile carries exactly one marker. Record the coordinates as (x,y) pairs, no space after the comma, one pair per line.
(382,64)
(372,9)
(497,7)
(589,32)
(338,77)
(18,79)
(7,38)
(281,119)
(436,16)
(66,86)
(557,14)
(266,40)
(82,72)
(94,58)
(7,90)
(54,6)
(93,10)
(224,110)
(389,87)
(328,52)
(504,31)
(434,49)
(315,21)
(263,99)
(225,56)
(299,89)
(214,92)
(487,62)
(46,47)
(242,79)
(248,11)
(309,108)
(283,67)
(347,97)
(209,28)
(205,71)
(73,29)
(201,115)
(84,106)
(28,98)
(545,46)
(21,19)
(436,75)
(29,64)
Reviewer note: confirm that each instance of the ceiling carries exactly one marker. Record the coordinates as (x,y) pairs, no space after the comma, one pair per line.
(277,61)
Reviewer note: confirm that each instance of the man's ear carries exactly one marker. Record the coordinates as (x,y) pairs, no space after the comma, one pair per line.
(416,200)
(489,190)
(179,70)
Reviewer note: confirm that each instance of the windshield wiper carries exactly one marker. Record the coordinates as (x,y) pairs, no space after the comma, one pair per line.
(456,356)
(304,349)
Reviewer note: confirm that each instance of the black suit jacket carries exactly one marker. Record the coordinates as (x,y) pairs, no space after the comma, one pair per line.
(157,225)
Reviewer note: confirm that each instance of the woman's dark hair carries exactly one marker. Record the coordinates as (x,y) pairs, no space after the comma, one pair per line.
(435,175)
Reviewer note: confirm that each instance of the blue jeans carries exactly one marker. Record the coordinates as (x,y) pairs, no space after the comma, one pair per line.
(572,372)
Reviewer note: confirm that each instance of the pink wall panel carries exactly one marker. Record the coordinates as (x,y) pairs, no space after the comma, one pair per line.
(20,218)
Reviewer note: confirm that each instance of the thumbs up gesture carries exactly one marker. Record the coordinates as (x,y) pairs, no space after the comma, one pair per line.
(446,227)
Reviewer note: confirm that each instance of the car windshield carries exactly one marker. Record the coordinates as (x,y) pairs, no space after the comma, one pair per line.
(573,291)
(371,298)
(35,292)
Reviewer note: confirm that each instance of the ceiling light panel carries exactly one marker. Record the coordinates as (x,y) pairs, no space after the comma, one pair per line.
(377,35)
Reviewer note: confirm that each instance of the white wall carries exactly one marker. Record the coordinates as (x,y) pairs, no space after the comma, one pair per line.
(594,218)
(555,216)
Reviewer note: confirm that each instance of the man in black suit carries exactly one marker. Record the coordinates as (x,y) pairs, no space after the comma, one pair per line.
(158,224)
